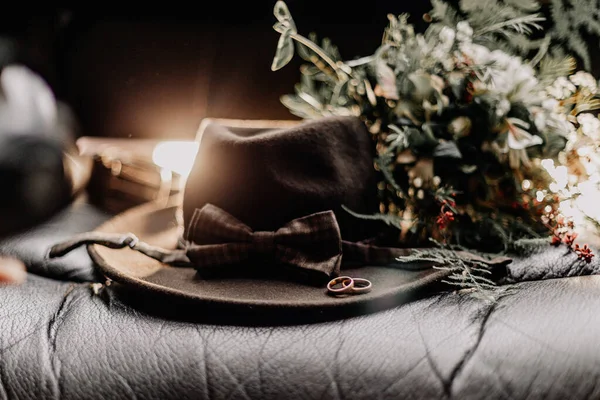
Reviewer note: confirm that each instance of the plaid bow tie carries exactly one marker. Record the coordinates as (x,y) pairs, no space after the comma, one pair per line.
(312,243)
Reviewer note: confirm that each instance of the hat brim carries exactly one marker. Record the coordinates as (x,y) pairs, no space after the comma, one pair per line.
(161,226)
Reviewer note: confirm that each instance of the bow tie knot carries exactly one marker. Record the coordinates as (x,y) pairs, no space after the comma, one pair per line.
(310,244)
(263,242)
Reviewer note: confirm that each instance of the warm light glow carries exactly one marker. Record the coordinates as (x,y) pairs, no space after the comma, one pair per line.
(176,156)
(581,198)
(548,164)
(539,196)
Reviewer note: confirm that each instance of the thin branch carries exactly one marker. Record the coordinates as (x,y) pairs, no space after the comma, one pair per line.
(321,53)
(518,24)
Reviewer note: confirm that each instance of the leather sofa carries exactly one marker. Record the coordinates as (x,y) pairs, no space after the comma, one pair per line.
(64,334)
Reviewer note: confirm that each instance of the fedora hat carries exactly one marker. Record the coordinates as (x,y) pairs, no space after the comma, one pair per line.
(263,225)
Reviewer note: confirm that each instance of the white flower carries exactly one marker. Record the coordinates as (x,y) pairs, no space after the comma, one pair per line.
(554,121)
(440,49)
(590,125)
(539,120)
(518,137)
(561,88)
(509,76)
(502,108)
(447,36)
(550,104)
(584,80)
(517,81)
(448,64)
(464,32)
(475,52)
(502,60)
(516,144)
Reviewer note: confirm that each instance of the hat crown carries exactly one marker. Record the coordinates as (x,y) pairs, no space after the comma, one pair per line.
(267,177)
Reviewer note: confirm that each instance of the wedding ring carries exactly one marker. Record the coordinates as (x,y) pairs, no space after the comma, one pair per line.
(361,286)
(347,285)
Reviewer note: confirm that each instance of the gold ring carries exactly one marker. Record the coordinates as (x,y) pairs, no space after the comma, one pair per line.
(361,286)
(347,284)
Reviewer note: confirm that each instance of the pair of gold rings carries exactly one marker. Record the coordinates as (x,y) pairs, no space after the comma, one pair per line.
(346,285)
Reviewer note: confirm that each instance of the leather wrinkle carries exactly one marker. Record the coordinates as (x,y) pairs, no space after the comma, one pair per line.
(482,324)
(261,360)
(484,318)
(3,384)
(436,371)
(36,329)
(401,375)
(52,335)
(432,301)
(237,385)
(336,361)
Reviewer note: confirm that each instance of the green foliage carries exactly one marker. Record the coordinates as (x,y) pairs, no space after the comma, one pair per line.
(390,220)
(572,20)
(286,27)
(553,67)
(525,26)
(468,275)
(459,116)
(444,13)
(506,25)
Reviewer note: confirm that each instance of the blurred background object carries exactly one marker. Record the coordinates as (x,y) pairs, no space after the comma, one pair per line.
(39,170)
(156,71)
(129,172)
(12,271)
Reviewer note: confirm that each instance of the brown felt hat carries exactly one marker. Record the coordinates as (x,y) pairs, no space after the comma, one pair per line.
(254,186)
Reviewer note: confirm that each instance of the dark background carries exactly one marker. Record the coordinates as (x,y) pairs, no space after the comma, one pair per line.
(148,73)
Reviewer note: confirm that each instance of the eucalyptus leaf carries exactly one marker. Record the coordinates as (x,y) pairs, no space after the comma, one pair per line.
(304,52)
(307,84)
(284,52)
(391,220)
(423,87)
(299,107)
(307,69)
(310,100)
(384,162)
(337,97)
(447,149)
(386,78)
(280,27)
(422,142)
(468,169)
(283,15)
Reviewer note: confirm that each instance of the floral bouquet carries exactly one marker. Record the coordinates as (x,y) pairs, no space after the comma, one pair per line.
(483,128)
